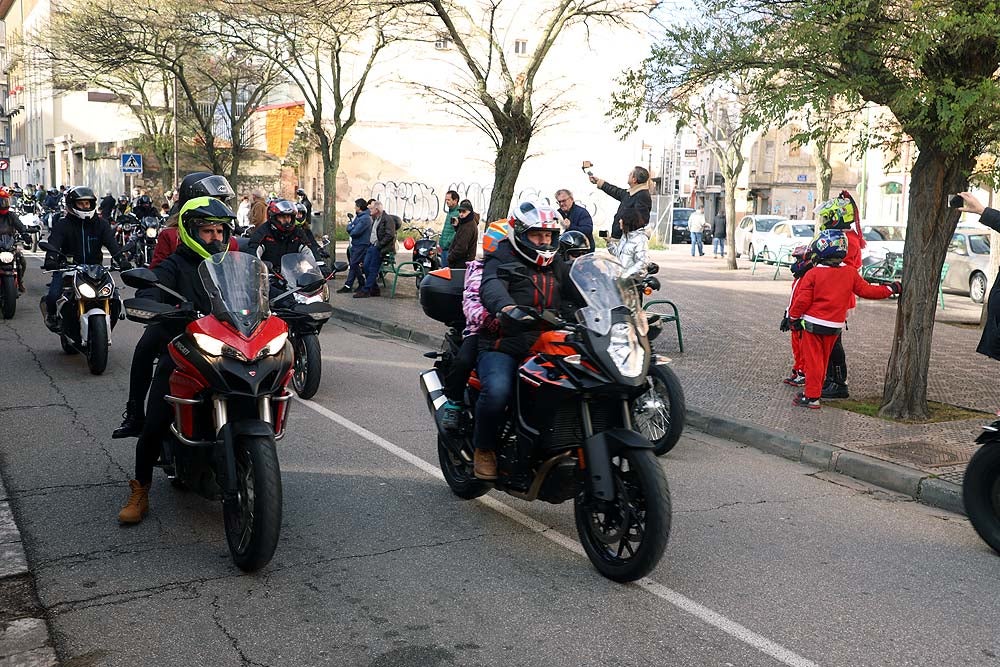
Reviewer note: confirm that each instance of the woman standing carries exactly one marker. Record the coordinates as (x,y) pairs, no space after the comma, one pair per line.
(989,344)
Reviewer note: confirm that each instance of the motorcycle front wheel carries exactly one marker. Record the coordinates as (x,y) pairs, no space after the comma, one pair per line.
(97,344)
(660,413)
(253,520)
(981,493)
(458,474)
(8,295)
(308,365)
(625,537)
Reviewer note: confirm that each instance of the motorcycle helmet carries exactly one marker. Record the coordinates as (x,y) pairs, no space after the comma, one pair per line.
(532,217)
(145,200)
(123,202)
(829,247)
(204,184)
(81,202)
(300,192)
(281,215)
(573,244)
(199,212)
(300,214)
(803,262)
(838,213)
(4,201)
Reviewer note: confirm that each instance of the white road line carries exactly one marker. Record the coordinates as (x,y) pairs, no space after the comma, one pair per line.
(682,602)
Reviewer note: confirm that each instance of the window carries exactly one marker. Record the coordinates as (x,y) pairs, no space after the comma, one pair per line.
(980,244)
(443,42)
(958,245)
(521,47)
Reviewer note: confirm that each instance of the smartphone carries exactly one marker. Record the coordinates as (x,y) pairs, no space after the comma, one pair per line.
(603,233)
(955,201)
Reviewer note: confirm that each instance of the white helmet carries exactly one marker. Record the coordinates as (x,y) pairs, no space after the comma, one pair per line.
(531,216)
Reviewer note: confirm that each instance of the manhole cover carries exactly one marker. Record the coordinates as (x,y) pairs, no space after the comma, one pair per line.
(923,454)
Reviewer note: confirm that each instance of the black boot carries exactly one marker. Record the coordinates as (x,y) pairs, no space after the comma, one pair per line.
(133,420)
(836,385)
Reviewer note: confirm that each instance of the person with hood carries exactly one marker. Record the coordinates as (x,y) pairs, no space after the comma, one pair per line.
(360,230)
(106,206)
(463,245)
(636,196)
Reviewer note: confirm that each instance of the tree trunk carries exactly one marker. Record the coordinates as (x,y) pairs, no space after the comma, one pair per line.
(510,158)
(824,171)
(929,230)
(731,223)
(330,150)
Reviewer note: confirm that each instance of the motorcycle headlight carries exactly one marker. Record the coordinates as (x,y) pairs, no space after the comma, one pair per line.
(6,257)
(151,232)
(274,347)
(209,345)
(86,290)
(625,350)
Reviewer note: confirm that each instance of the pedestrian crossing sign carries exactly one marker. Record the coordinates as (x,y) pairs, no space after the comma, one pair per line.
(131,163)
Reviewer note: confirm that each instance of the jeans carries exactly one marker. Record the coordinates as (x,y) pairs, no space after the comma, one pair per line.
(719,246)
(373,260)
(696,243)
(357,259)
(55,289)
(444,258)
(497,374)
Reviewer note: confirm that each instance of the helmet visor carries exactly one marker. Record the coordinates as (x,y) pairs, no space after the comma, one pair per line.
(214,186)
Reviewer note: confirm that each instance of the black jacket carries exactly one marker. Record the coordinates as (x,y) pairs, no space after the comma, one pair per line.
(719,227)
(11,224)
(541,288)
(106,206)
(179,272)
(309,207)
(641,201)
(145,212)
(81,240)
(989,344)
(275,244)
(385,231)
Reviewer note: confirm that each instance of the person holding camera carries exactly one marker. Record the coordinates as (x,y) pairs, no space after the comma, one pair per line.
(989,343)
(637,196)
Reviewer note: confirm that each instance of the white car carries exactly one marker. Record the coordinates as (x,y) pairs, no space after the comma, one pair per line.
(783,237)
(751,226)
(881,238)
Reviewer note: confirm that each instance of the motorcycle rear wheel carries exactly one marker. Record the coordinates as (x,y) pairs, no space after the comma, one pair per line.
(458,474)
(308,365)
(625,537)
(8,294)
(660,413)
(253,522)
(97,344)
(981,493)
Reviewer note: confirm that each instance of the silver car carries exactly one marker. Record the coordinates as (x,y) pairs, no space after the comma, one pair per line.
(968,263)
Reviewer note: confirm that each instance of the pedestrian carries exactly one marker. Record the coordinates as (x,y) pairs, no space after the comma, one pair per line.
(697,225)
(637,196)
(304,200)
(819,309)
(448,229)
(719,235)
(463,246)
(989,342)
(802,264)
(575,217)
(631,248)
(382,241)
(243,213)
(359,229)
(258,208)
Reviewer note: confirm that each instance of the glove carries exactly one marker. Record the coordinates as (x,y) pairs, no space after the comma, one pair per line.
(785,324)
(26,238)
(897,288)
(124,264)
(798,324)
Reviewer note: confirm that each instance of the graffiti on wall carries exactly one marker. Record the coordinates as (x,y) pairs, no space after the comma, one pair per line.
(411,200)
(476,193)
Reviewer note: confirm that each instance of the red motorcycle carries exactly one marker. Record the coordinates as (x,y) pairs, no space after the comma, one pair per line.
(230,398)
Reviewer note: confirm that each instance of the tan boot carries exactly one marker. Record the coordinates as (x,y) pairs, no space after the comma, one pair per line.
(484,464)
(138,504)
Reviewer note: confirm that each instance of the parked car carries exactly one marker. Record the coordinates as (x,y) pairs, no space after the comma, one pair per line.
(968,261)
(881,238)
(751,225)
(679,220)
(785,234)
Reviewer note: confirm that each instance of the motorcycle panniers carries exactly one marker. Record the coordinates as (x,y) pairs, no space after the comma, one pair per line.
(441,297)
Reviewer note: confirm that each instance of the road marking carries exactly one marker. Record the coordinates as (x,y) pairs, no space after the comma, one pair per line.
(682,602)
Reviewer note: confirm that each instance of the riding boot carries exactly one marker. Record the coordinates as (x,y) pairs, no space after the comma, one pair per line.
(138,503)
(133,420)
(836,386)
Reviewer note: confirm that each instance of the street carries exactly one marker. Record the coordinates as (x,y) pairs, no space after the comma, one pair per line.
(769,562)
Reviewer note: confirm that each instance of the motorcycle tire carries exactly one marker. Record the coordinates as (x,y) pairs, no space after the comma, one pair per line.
(34,242)
(640,509)
(308,365)
(67,346)
(981,493)
(97,344)
(458,474)
(660,413)
(8,296)
(253,523)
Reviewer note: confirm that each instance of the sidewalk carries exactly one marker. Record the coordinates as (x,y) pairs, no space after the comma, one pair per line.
(734,360)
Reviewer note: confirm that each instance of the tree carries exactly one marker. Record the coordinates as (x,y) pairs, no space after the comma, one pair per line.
(932,63)
(509,110)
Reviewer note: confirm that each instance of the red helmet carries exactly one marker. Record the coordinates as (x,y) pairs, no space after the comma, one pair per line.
(281,214)
(4,201)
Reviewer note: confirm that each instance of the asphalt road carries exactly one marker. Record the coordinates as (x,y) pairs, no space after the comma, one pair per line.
(769,562)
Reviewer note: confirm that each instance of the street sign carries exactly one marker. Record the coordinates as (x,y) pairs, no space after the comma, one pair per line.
(4,165)
(802,178)
(131,163)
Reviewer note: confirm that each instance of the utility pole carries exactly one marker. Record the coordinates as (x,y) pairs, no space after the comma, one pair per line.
(176,166)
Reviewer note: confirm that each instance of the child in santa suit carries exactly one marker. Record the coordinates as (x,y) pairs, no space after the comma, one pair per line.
(841,213)
(802,264)
(819,308)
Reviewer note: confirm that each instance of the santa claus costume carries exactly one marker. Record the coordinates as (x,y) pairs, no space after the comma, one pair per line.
(802,263)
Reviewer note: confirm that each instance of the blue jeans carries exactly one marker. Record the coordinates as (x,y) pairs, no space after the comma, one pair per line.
(497,373)
(696,243)
(719,246)
(444,257)
(373,260)
(55,289)
(356,261)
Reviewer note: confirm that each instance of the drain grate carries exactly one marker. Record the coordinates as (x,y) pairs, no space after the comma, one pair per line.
(923,454)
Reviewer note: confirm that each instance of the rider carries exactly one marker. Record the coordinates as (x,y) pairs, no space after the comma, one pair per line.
(573,244)
(79,235)
(106,206)
(144,208)
(51,199)
(205,225)
(10,225)
(155,337)
(121,207)
(280,235)
(533,276)
(304,200)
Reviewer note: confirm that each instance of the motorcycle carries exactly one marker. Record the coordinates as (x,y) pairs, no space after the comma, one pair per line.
(425,250)
(31,222)
(126,227)
(11,271)
(569,433)
(302,305)
(87,310)
(48,215)
(230,399)
(143,241)
(981,486)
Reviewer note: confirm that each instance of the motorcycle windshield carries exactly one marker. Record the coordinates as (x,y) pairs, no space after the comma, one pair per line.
(237,285)
(602,283)
(300,268)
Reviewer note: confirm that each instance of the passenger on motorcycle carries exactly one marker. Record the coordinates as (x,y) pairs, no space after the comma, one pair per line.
(280,235)
(121,207)
(10,225)
(106,206)
(144,208)
(80,235)
(573,244)
(524,270)
(205,226)
(52,199)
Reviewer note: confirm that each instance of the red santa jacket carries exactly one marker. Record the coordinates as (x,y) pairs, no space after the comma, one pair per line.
(826,293)
(854,246)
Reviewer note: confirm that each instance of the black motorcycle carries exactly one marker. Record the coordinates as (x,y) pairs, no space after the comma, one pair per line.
(425,250)
(27,212)
(87,310)
(11,272)
(142,242)
(569,433)
(981,486)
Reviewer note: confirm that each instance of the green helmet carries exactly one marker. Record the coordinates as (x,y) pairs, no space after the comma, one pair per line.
(202,211)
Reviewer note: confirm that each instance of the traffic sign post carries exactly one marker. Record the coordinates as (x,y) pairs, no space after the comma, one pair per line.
(131,163)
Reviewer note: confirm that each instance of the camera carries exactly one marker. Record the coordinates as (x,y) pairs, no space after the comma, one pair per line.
(955,201)
(603,233)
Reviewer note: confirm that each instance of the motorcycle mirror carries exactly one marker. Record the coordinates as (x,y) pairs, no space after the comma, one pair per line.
(652,284)
(139,278)
(652,268)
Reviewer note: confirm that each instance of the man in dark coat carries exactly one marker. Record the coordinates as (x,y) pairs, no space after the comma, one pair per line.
(637,196)
(989,344)
(383,241)
(576,217)
(719,234)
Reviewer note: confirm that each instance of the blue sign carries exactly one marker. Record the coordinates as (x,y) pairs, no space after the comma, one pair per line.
(801,178)
(131,163)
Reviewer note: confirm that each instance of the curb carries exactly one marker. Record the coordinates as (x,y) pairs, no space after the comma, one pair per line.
(920,486)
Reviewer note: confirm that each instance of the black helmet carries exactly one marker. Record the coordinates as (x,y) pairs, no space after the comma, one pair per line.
(81,202)
(278,208)
(300,214)
(204,184)
(202,211)
(573,244)
(300,192)
(145,200)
